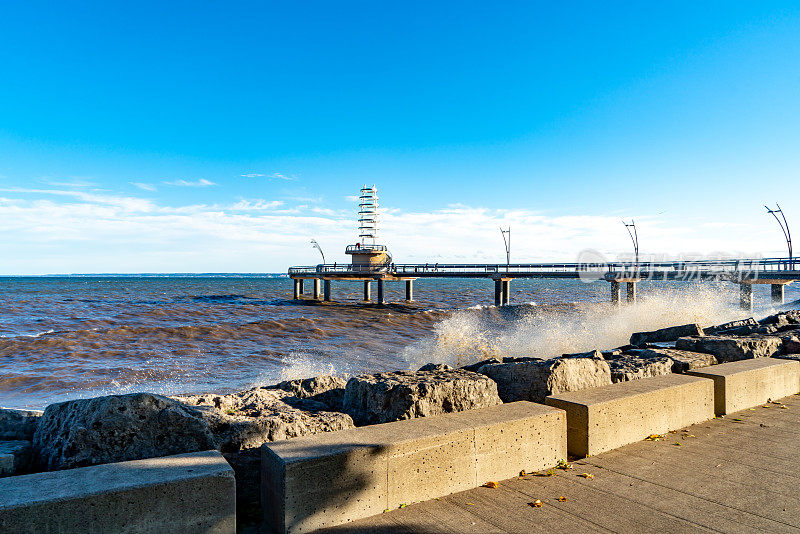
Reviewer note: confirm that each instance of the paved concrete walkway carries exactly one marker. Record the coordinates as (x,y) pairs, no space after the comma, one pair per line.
(737,474)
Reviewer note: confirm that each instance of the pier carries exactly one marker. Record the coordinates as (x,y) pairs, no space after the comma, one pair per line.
(372,262)
(776,272)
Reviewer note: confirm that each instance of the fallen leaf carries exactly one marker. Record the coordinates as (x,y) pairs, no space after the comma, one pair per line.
(493,485)
(784,407)
(536,504)
(562,499)
(387,510)
(653,437)
(735,419)
(677,444)
(765,406)
(522,473)
(586,475)
(549,473)
(470,504)
(563,464)
(691,436)
(403,505)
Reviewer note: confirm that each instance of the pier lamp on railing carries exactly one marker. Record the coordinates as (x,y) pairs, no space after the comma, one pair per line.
(507,243)
(635,239)
(784,227)
(316,246)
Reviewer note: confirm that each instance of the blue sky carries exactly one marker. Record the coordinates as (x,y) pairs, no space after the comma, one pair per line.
(195,137)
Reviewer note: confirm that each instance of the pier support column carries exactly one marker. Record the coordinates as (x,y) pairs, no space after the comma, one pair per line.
(777,294)
(616,293)
(746,296)
(297,289)
(326,290)
(381,284)
(367,290)
(498,292)
(409,291)
(506,292)
(315,291)
(631,291)
(300,285)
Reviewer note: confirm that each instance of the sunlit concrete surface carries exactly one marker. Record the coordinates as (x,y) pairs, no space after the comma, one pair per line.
(740,473)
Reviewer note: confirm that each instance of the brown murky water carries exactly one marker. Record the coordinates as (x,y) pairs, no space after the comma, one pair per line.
(71,337)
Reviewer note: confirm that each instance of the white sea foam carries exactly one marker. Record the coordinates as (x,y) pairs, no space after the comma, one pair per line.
(543,331)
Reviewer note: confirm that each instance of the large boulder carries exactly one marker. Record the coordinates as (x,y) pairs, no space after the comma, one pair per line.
(673,333)
(782,319)
(327,389)
(117,428)
(729,326)
(682,360)
(249,419)
(630,367)
(533,380)
(242,422)
(18,424)
(729,349)
(386,397)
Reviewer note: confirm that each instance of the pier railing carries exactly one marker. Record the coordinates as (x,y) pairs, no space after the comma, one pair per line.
(738,268)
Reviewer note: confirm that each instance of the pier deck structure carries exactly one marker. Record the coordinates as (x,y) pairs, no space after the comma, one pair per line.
(777,272)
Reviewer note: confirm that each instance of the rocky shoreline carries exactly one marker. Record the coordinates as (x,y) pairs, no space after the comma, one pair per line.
(144,425)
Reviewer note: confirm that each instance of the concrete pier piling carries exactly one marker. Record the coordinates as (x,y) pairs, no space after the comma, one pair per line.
(631,292)
(381,291)
(297,289)
(498,292)
(409,290)
(367,290)
(616,293)
(777,294)
(506,292)
(326,285)
(316,289)
(300,286)
(746,296)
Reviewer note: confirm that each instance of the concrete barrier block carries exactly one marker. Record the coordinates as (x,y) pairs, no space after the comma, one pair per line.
(333,478)
(604,418)
(185,493)
(15,456)
(747,383)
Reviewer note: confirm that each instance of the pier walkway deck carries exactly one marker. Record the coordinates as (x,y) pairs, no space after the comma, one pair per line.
(778,272)
(737,474)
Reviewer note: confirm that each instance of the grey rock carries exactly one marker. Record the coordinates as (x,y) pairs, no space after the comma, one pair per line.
(435,367)
(666,334)
(15,457)
(385,397)
(325,389)
(682,360)
(631,367)
(117,428)
(612,354)
(729,349)
(18,424)
(782,319)
(249,419)
(715,330)
(594,354)
(790,343)
(477,365)
(534,380)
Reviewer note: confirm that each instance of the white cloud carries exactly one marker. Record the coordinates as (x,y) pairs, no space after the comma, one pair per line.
(202,182)
(246,205)
(145,187)
(274,175)
(53,230)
